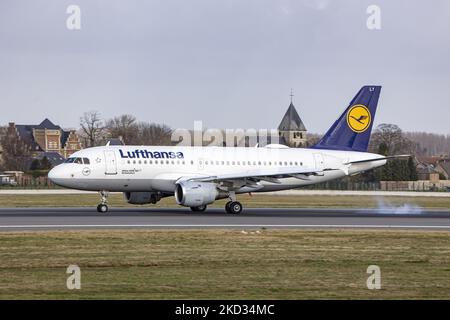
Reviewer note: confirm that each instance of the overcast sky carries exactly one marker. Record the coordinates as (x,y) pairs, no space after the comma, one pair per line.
(229,63)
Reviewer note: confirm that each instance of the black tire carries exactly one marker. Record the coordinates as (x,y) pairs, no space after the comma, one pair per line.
(199,208)
(102,208)
(227,206)
(235,207)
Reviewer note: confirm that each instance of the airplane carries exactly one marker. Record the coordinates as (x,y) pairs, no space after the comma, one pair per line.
(198,176)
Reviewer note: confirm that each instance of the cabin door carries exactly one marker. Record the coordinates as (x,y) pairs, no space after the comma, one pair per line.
(111,163)
(318,159)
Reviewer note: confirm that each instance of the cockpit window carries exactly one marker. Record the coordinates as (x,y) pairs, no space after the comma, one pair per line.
(77,160)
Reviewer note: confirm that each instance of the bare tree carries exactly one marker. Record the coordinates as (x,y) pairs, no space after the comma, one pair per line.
(15,152)
(313,138)
(430,144)
(92,127)
(154,134)
(388,139)
(123,126)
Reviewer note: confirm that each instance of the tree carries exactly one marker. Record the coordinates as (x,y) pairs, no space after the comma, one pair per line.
(92,127)
(124,126)
(312,139)
(16,153)
(430,144)
(35,165)
(383,149)
(154,134)
(42,164)
(390,138)
(45,164)
(413,176)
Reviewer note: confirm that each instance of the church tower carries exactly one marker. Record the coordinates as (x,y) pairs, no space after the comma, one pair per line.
(291,130)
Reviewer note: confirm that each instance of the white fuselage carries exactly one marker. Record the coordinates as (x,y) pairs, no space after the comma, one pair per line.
(154,168)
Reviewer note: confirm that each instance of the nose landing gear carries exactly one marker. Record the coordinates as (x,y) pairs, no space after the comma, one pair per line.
(103,207)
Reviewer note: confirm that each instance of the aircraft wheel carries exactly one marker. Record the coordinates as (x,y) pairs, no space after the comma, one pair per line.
(227,206)
(102,208)
(235,207)
(199,208)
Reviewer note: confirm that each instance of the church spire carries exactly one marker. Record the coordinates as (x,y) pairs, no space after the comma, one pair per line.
(291,130)
(291,120)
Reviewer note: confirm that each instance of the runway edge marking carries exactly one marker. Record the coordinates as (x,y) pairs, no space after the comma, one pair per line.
(50,226)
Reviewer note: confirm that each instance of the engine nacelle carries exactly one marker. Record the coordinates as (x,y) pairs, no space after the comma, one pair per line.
(195,194)
(142,197)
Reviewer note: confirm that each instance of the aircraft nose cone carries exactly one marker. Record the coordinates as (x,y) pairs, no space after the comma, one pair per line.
(55,175)
(51,174)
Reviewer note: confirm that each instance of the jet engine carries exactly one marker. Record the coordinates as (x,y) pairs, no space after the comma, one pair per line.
(195,194)
(142,197)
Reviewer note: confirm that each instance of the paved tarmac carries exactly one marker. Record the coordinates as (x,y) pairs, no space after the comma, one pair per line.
(13,219)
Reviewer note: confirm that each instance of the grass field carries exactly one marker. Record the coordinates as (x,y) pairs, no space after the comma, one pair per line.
(257,200)
(214,264)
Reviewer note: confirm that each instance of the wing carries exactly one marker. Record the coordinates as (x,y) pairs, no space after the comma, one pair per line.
(250,178)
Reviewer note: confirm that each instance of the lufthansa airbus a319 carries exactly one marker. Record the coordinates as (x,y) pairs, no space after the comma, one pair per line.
(197,176)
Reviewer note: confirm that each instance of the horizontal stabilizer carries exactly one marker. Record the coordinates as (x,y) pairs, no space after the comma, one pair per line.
(381,158)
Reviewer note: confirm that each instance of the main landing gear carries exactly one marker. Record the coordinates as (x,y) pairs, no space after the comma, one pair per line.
(103,207)
(233,206)
(199,208)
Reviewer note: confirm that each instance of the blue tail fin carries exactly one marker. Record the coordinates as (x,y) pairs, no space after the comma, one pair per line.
(352,130)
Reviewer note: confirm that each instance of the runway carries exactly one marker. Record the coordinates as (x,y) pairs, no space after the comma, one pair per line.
(13,219)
